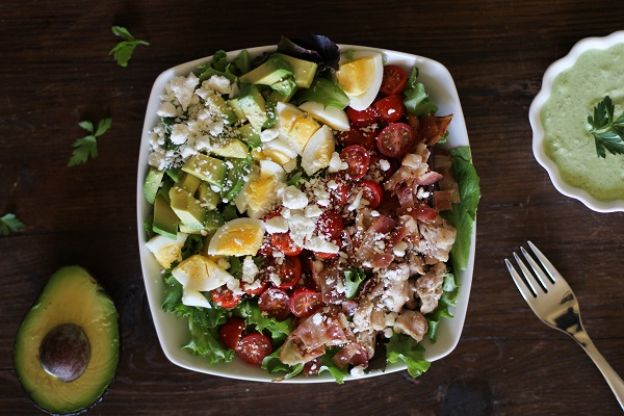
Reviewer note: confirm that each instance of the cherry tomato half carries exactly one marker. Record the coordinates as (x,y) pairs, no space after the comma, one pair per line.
(390,109)
(325,256)
(394,80)
(289,272)
(224,298)
(252,348)
(284,243)
(231,332)
(304,302)
(395,140)
(362,118)
(275,302)
(331,225)
(356,136)
(372,192)
(339,195)
(256,291)
(358,160)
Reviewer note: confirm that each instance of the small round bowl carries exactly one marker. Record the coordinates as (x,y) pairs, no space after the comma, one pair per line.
(535,119)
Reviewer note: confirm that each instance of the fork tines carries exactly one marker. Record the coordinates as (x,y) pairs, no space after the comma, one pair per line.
(537,277)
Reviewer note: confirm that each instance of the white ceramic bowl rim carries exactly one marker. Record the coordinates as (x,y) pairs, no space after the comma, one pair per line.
(535,119)
(173,333)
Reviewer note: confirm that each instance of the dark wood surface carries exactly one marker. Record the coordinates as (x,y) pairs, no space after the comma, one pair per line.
(55,71)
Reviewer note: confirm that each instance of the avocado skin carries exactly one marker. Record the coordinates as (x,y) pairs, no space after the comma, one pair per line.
(50,309)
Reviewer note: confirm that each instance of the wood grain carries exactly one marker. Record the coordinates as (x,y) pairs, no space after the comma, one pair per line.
(55,71)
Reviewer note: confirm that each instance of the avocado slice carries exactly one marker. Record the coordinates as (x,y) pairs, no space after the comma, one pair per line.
(253,105)
(285,89)
(67,346)
(187,208)
(206,168)
(249,135)
(271,71)
(232,148)
(189,183)
(235,106)
(165,220)
(228,112)
(152,182)
(207,197)
(304,71)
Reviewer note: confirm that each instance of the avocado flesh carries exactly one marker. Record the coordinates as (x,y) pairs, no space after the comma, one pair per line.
(187,208)
(152,183)
(71,296)
(206,168)
(207,197)
(232,148)
(271,71)
(165,220)
(304,71)
(253,105)
(190,183)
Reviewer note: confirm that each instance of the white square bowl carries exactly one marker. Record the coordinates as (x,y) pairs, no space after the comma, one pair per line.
(173,332)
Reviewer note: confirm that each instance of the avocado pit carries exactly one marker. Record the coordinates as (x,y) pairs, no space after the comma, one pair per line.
(65,352)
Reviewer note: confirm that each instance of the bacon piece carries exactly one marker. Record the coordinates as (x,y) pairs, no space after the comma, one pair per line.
(309,339)
(428,178)
(351,354)
(432,128)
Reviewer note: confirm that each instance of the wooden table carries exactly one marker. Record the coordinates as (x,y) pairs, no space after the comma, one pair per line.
(56,71)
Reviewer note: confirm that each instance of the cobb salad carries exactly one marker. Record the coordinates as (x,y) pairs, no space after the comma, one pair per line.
(305,215)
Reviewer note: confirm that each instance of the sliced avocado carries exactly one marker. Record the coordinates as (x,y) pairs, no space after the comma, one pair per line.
(237,177)
(187,208)
(233,148)
(175,174)
(249,135)
(304,70)
(214,220)
(188,230)
(189,183)
(271,71)
(207,197)
(206,168)
(152,183)
(253,105)
(165,221)
(285,88)
(67,347)
(228,112)
(235,106)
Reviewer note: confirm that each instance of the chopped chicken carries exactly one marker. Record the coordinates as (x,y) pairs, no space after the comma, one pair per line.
(412,323)
(429,287)
(437,240)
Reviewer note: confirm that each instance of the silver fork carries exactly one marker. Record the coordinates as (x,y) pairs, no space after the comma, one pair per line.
(554,303)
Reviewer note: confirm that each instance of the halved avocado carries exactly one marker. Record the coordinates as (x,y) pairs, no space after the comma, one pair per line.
(67,347)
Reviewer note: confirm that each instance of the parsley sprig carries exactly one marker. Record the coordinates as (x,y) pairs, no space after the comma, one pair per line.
(607,130)
(10,223)
(87,146)
(122,52)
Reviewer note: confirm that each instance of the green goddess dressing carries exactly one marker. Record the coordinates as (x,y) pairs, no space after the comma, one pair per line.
(575,93)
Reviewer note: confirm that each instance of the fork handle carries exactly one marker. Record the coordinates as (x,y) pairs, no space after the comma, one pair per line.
(613,379)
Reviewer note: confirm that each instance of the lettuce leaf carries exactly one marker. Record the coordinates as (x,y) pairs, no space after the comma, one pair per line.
(273,365)
(415,96)
(253,316)
(353,278)
(462,216)
(450,290)
(327,364)
(404,349)
(203,323)
(324,91)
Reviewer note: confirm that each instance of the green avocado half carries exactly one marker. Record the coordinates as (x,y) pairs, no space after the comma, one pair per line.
(67,347)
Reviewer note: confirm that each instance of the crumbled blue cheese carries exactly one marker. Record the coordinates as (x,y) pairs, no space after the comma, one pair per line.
(250,270)
(384,165)
(336,164)
(319,244)
(277,224)
(294,198)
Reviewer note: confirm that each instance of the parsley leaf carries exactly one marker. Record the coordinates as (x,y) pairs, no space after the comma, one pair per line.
(10,223)
(86,147)
(403,348)
(122,52)
(415,96)
(608,132)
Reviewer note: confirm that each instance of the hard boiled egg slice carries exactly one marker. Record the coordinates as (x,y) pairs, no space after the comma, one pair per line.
(199,274)
(295,127)
(332,116)
(166,250)
(260,193)
(318,151)
(286,116)
(239,237)
(360,78)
